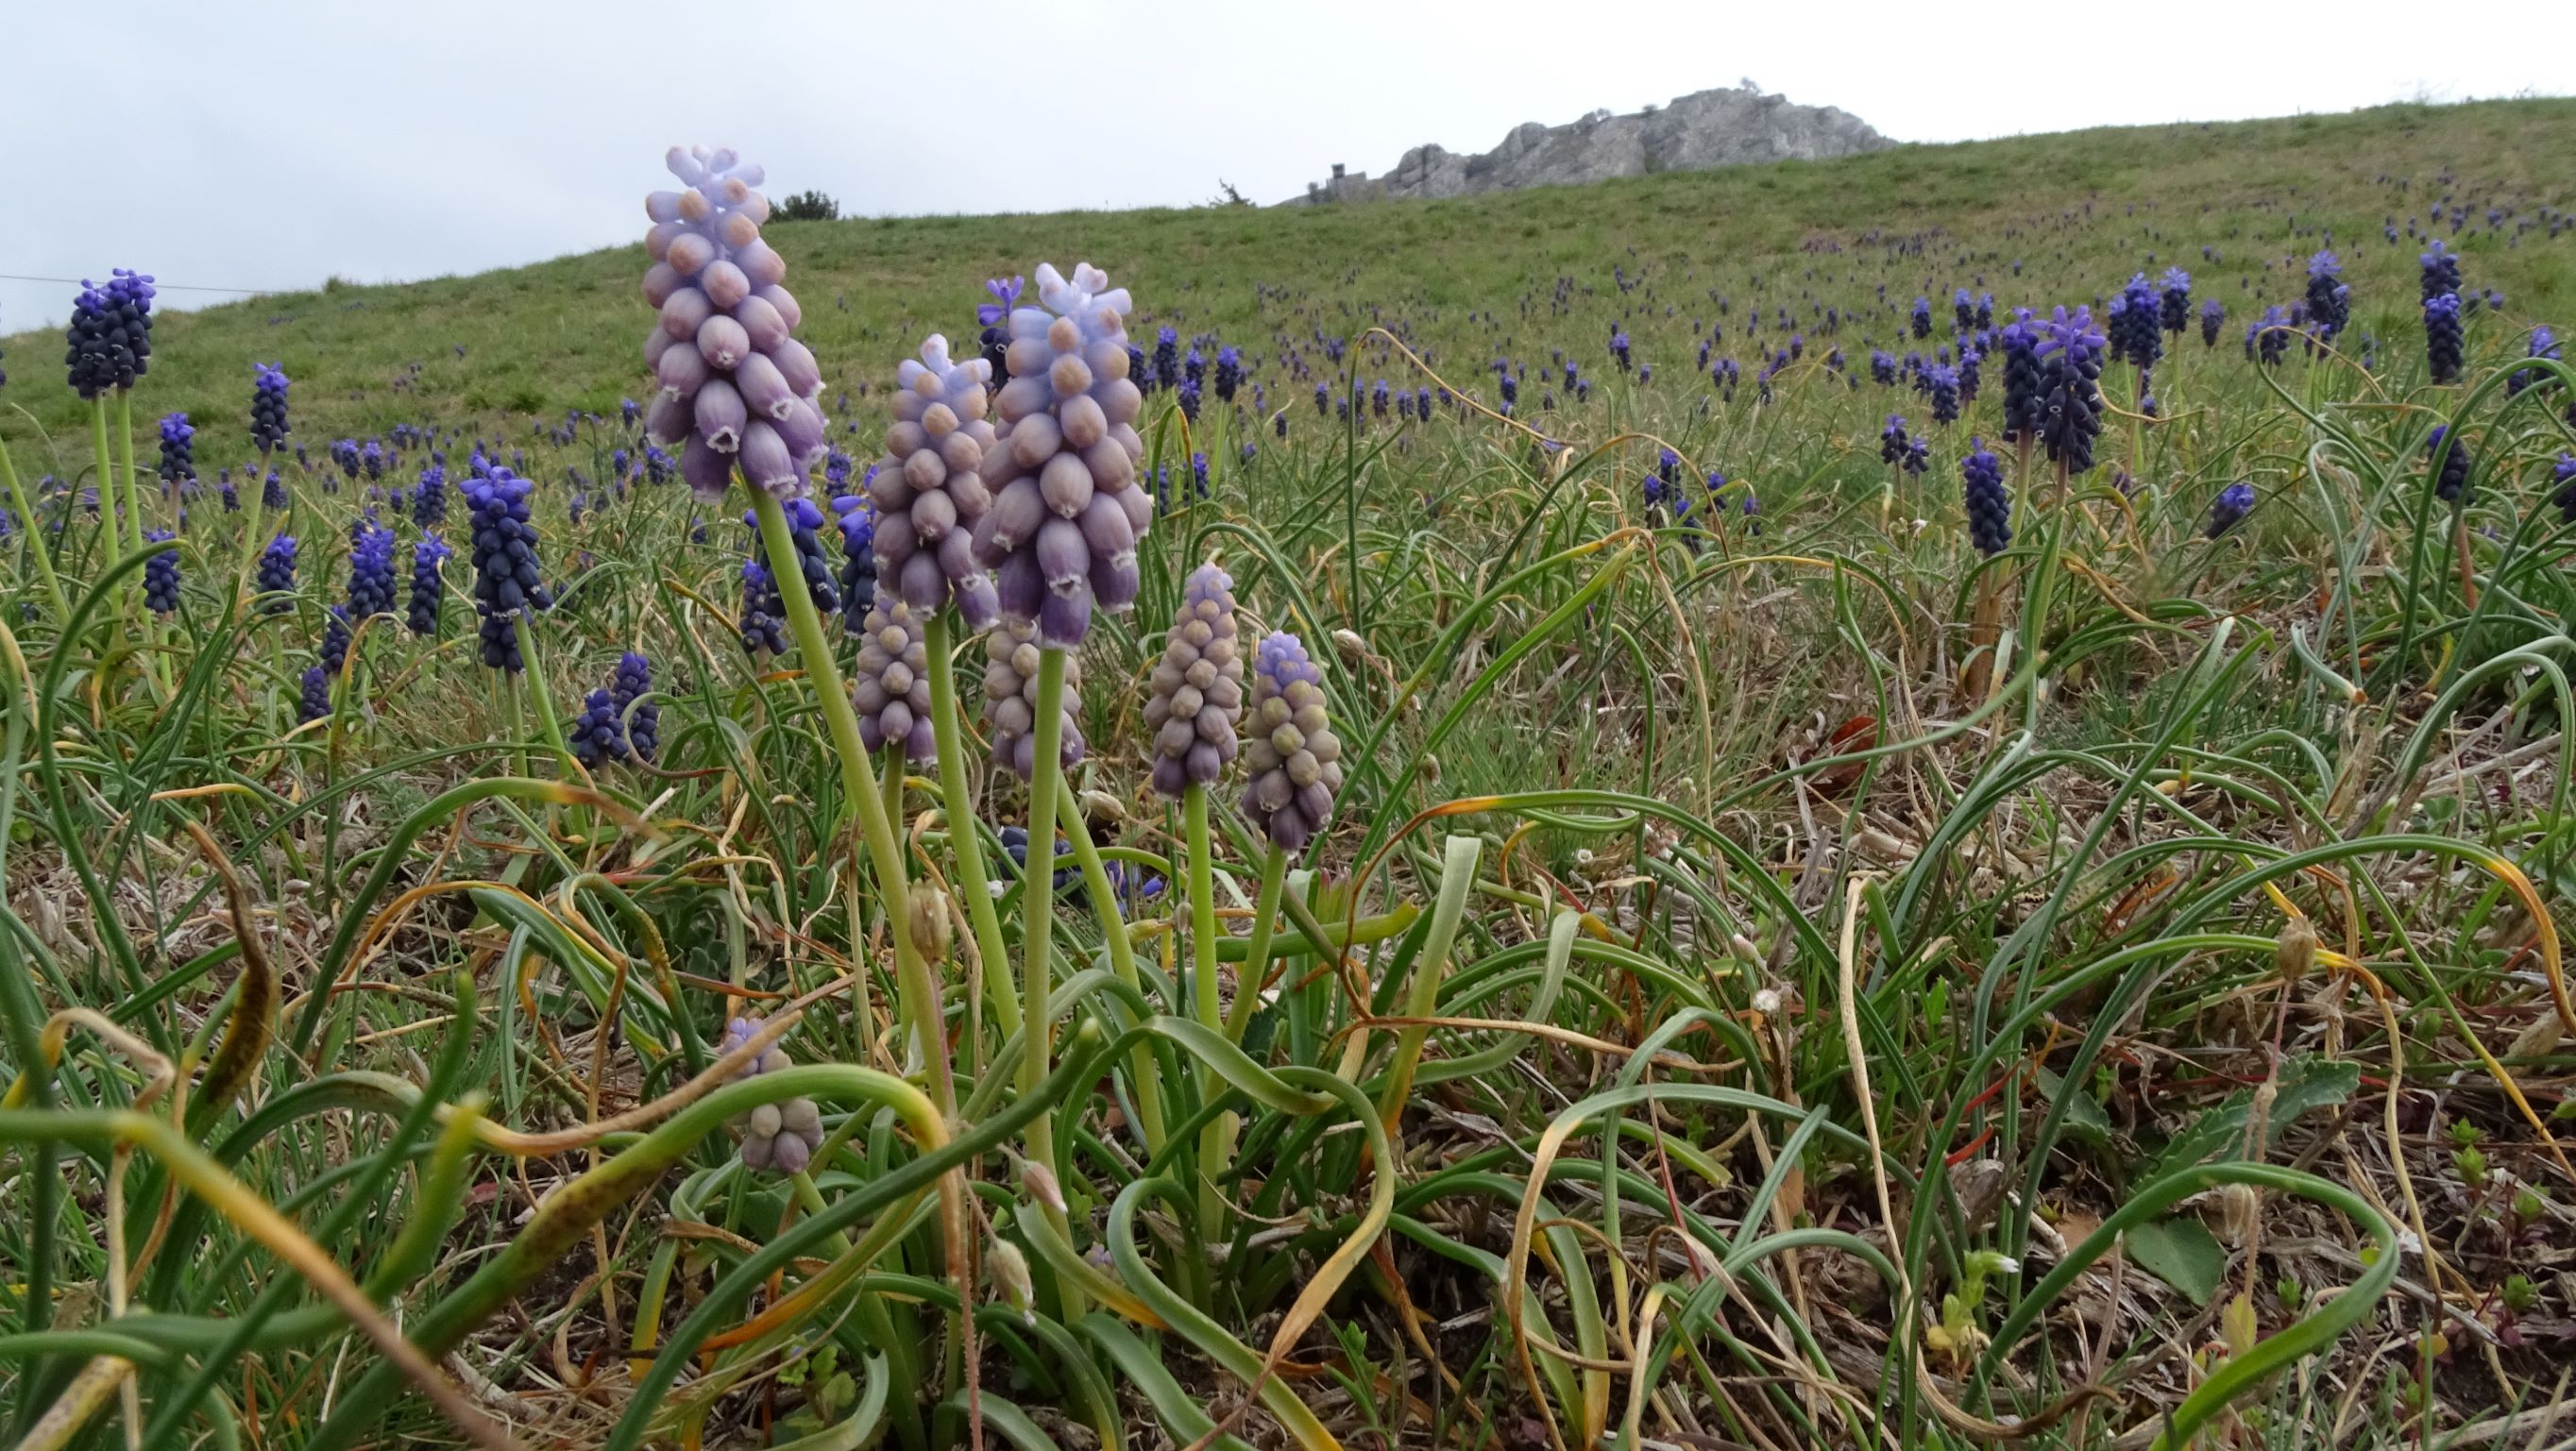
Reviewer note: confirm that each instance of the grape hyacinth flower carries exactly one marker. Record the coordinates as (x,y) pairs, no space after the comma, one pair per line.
(2329,300)
(2070,359)
(2442,340)
(1011,698)
(1290,753)
(736,389)
(2267,338)
(2231,506)
(932,489)
(1882,368)
(335,638)
(161,575)
(506,579)
(1943,382)
(2441,270)
(1229,374)
(1197,687)
(268,425)
(110,336)
(1167,353)
(2019,342)
(2213,317)
(272,492)
(1892,440)
(2563,474)
(371,570)
(594,737)
(803,520)
(989,316)
(777,1136)
(429,497)
(892,684)
(1922,317)
(628,687)
(1067,511)
(764,613)
(2451,485)
(178,450)
(858,526)
(1989,507)
(277,572)
(1963,309)
(428,587)
(2173,300)
(314,703)
(2133,324)
(2544,344)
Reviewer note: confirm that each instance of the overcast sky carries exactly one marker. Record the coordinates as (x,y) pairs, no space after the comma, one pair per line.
(274,145)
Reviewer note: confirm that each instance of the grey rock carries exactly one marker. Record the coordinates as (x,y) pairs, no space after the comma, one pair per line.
(1733,127)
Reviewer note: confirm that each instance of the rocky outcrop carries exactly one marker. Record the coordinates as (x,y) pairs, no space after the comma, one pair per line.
(1696,132)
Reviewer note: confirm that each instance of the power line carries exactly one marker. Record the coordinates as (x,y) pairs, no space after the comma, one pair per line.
(157,285)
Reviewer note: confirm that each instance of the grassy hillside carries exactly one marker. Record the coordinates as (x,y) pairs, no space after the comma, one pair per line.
(562,335)
(1836,924)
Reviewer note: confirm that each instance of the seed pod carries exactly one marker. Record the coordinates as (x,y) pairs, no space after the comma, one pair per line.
(2296,950)
(926,918)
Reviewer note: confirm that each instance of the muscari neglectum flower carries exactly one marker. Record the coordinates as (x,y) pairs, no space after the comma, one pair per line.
(2544,344)
(1067,510)
(110,335)
(2019,342)
(178,449)
(1011,696)
(1989,507)
(1892,440)
(2442,340)
(2232,504)
(1290,755)
(2451,485)
(735,388)
(642,719)
(160,575)
(2329,300)
(314,703)
(594,738)
(764,613)
(268,426)
(506,581)
(277,571)
(2133,326)
(858,523)
(781,1136)
(2173,299)
(428,588)
(2441,270)
(2070,362)
(2564,476)
(371,570)
(932,490)
(1197,687)
(2213,316)
(891,686)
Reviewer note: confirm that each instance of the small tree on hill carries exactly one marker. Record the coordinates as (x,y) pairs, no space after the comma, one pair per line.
(809,206)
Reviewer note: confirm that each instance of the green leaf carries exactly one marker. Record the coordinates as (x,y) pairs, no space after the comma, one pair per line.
(2219,1133)
(2084,1117)
(2181,1252)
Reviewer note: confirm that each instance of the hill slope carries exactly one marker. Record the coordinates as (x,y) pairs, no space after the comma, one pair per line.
(560,335)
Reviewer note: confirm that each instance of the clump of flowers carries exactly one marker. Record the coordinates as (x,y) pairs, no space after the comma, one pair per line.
(178,450)
(1011,698)
(1290,753)
(506,580)
(1197,687)
(1989,507)
(930,491)
(2443,345)
(892,685)
(1067,510)
(268,423)
(735,387)
(781,1136)
(110,335)
(2230,507)
(2070,359)
(428,587)
(161,574)
(2451,484)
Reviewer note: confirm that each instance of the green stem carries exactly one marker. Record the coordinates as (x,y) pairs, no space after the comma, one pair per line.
(964,844)
(125,470)
(110,533)
(1122,961)
(1216,1141)
(1256,958)
(32,536)
(1037,939)
(859,794)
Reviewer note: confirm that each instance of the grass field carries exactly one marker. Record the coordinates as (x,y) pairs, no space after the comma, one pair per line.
(1776,970)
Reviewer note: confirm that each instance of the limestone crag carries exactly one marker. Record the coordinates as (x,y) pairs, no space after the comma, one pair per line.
(1706,129)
